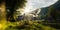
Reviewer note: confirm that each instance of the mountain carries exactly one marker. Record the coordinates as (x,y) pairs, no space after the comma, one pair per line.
(53,16)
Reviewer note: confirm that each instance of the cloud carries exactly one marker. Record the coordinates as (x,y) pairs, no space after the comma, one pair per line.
(31,5)
(41,3)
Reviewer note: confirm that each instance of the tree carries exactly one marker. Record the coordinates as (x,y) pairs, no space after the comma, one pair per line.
(12,5)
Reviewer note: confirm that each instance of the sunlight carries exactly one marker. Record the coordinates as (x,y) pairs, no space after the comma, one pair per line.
(32,5)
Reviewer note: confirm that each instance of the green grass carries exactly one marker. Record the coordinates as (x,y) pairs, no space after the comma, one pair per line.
(26,25)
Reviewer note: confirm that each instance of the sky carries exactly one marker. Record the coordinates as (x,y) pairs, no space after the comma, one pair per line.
(41,3)
(35,4)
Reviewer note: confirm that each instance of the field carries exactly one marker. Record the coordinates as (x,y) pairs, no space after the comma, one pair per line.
(24,25)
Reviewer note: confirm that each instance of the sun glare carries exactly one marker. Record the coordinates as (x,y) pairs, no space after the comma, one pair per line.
(28,8)
(31,5)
